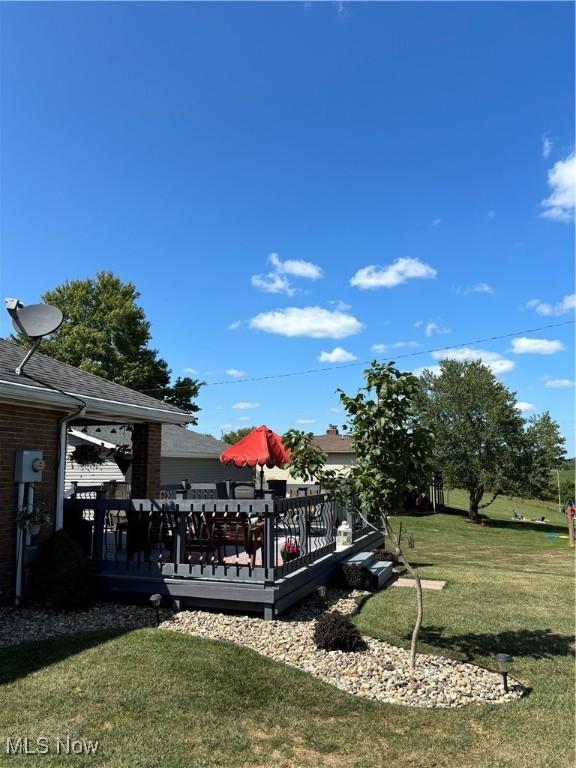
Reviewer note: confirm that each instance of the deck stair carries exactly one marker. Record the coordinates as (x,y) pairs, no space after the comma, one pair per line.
(381,570)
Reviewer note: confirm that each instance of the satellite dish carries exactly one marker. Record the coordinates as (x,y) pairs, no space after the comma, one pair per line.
(37,320)
(34,322)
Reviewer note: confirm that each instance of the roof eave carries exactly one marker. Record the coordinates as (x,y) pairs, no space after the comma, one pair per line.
(95,406)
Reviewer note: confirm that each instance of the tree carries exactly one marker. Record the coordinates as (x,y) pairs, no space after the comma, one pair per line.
(480,444)
(236,435)
(105,332)
(545,452)
(392,456)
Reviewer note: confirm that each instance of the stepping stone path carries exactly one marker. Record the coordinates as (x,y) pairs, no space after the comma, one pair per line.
(426,583)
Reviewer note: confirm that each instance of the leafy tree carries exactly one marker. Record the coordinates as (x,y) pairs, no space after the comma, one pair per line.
(545,451)
(236,434)
(392,456)
(480,443)
(105,332)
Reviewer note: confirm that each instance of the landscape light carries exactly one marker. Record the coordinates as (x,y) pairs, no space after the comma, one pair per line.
(504,661)
(156,600)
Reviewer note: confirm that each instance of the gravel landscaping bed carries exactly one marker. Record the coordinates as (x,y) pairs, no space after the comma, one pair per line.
(19,625)
(382,672)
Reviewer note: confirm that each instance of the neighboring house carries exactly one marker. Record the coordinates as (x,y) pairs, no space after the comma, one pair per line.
(337,447)
(36,409)
(185,455)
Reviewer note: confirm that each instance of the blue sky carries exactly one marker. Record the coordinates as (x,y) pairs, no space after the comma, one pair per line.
(290,185)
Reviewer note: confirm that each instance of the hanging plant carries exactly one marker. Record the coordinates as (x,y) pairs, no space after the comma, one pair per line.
(89,455)
(123,457)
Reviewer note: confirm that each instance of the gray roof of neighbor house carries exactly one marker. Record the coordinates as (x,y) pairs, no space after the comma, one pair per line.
(177,442)
(333,441)
(53,383)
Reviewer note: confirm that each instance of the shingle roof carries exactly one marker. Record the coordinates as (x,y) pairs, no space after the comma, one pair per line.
(43,372)
(333,443)
(176,441)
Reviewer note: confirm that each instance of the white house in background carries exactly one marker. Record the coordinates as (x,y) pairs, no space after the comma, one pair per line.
(337,447)
(185,455)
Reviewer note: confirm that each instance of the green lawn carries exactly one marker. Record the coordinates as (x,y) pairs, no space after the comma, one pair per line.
(159,699)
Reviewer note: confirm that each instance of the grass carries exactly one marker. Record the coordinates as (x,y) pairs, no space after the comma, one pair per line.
(154,698)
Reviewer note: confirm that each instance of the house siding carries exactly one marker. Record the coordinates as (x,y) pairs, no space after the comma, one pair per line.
(22,427)
(336,461)
(175,470)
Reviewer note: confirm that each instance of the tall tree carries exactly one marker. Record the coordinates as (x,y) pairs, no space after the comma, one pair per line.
(545,452)
(392,456)
(235,435)
(106,332)
(479,433)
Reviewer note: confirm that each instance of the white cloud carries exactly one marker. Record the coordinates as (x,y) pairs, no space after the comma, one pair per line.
(235,373)
(244,418)
(433,369)
(491,215)
(436,222)
(272,283)
(340,305)
(235,325)
(314,322)
(394,274)
(295,267)
(432,328)
(562,182)
(547,145)
(245,406)
(524,407)
(525,346)
(475,288)
(190,370)
(496,362)
(338,355)
(226,426)
(559,383)
(381,348)
(405,344)
(305,421)
(336,410)
(568,304)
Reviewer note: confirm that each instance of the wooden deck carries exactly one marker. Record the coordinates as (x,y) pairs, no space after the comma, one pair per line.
(219,554)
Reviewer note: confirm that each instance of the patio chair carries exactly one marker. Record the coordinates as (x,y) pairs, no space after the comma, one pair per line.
(243,491)
(225,529)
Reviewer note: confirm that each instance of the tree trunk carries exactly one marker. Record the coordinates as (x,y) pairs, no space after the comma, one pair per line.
(418,585)
(475,499)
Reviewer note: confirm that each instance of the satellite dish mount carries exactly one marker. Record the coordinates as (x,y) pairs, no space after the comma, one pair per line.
(34,322)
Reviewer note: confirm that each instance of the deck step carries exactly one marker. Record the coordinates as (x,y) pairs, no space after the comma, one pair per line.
(382,571)
(361,558)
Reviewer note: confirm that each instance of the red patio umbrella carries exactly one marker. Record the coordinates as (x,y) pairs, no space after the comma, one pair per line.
(262,447)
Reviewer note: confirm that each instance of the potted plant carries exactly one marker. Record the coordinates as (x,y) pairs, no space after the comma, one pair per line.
(290,550)
(89,454)
(123,457)
(32,519)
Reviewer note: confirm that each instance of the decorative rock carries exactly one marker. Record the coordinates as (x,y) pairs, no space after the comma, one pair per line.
(381,673)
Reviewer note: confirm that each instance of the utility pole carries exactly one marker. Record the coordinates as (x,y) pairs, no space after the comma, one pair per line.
(559,495)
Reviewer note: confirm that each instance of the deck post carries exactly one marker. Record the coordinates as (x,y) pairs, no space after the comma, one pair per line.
(268,554)
(99,522)
(180,548)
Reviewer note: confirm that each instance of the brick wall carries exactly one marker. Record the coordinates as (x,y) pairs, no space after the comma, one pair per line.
(146,445)
(22,427)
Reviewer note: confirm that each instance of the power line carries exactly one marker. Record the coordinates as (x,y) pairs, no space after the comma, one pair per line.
(308,371)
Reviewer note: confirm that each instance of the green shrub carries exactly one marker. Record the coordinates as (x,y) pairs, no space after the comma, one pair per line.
(61,573)
(356,576)
(335,632)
